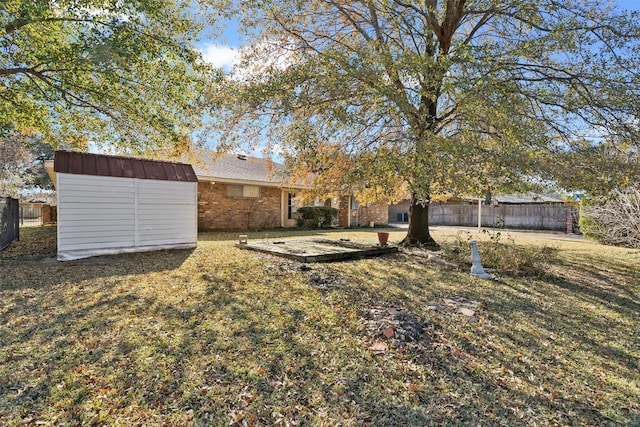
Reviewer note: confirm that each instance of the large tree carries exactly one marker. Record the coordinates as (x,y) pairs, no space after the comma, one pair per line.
(21,165)
(443,95)
(122,72)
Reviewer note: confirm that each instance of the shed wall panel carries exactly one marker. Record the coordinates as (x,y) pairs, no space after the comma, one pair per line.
(91,200)
(101,219)
(85,250)
(73,180)
(168,212)
(99,215)
(164,242)
(119,231)
(178,204)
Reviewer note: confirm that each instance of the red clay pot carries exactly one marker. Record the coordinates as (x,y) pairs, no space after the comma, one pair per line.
(383,237)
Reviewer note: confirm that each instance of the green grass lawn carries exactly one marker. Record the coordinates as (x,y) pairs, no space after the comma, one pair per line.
(222,336)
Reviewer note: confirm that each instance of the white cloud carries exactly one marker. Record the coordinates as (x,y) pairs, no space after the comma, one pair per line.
(249,61)
(220,56)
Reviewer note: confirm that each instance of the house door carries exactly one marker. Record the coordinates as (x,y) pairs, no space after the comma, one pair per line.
(288,209)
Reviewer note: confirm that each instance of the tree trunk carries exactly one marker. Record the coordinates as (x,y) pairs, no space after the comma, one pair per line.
(418,233)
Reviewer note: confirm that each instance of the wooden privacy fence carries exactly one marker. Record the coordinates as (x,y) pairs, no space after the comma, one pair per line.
(535,217)
(9,221)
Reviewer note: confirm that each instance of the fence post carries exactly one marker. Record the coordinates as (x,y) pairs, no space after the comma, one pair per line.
(16,213)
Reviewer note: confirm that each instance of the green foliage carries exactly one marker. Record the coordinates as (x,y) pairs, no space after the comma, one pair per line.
(599,168)
(316,216)
(452,96)
(590,226)
(114,72)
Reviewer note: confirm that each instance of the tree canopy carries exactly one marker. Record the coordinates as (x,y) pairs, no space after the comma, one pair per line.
(103,71)
(439,95)
(21,165)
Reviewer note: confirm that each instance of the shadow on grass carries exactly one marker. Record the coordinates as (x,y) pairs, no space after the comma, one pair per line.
(250,341)
(612,277)
(31,263)
(42,274)
(549,343)
(285,360)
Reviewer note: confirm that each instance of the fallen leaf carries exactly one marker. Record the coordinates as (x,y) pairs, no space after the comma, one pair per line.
(388,332)
(379,346)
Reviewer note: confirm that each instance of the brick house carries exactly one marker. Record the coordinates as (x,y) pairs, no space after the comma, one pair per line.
(241,192)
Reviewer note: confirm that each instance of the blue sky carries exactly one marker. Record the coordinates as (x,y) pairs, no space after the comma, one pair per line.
(223,52)
(629,4)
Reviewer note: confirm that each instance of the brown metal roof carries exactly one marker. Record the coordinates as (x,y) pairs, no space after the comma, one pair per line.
(117,166)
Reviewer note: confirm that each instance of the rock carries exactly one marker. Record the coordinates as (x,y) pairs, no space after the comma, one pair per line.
(462,302)
(473,319)
(305,267)
(466,311)
(434,307)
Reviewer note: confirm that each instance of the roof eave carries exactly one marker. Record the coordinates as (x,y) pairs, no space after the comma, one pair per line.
(48,165)
(250,182)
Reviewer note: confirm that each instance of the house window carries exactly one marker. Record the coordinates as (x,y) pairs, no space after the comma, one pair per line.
(291,205)
(234,190)
(354,204)
(250,191)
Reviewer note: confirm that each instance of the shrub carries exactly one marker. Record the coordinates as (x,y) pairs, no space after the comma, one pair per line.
(613,219)
(500,255)
(316,216)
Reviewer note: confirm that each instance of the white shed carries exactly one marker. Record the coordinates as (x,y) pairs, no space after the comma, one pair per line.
(111,204)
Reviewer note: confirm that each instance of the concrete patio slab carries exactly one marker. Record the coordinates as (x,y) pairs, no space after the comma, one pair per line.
(318,250)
